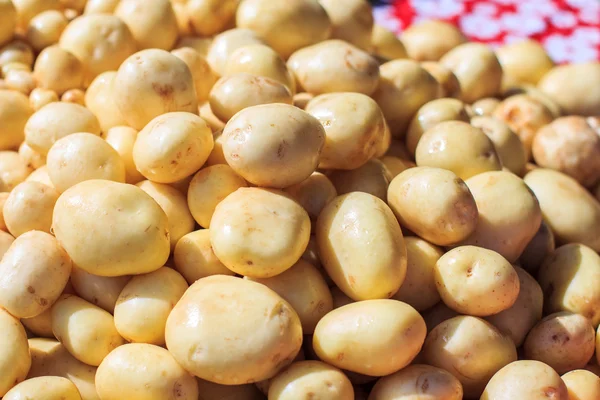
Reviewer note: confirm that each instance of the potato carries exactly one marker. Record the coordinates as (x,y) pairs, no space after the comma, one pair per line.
(6,240)
(16,51)
(311,378)
(272,232)
(431,114)
(525,379)
(40,175)
(21,81)
(200,44)
(87,331)
(203,75)
(233,93)
(537,249)
(101,291)
(313,194)
(373,178)
(469,348)
(449,85)
(139,371)
(74,96)
(484,107)
(157,79)
(570,279)
(172,146)
(100,6)
(13,170)
(45,29)
(50,387)
(29,207)
(373,337)
(523,61)
(14,354)
(27,9)
(99,100)
(430,40)
(111,229)
(145,18)
(209,17)
(3,197)
(194,257)
(351,21)
(418,382)
(563,340)
(574,87)
(14,113)
(385,44)
(8,20)
(32,158)
(509,147)
(225,43)
(396,165)
(122,139)
(582,385)
(201,325)
(477,69)
(38,98)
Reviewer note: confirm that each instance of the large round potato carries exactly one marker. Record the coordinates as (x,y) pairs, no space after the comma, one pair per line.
(582,384)
(373,178)
(47,387)
(273,145)
(14,113)
(102,291)
(258,232)
(434,203)
(15,359)
(470,349)
(45,29)
(145,18)
(99,99)
(33,274)
(111,229)
(430,40)
(233,331)
(29,207)
(139,371)
(58,70)
(361,246)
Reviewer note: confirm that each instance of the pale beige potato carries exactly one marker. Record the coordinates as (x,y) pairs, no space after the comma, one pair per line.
(431,114)
(214,123)
(537,94)
(40,175)
(574,87)
(87,331)
(203,75)
(525,379)
(74,96)
(101,42)
(144,304)
(210,391)
(172,146)
(49,387)
(449,85)
(16,51)
(434,203)
(385,44)
(101,291)
(351,21)
(361,246)
(403,88)
(538,248)
(151,22)
(14,113)
(233,93)
(29,207)
(27,9)
(373,178)
(139,371)
(508,145)
(8,20)
(160,81)
(45,29)
(210,17)
(111,229)
(334,66)
(260,329)
(271,232)
(200,44)
(484,107)
(81,157)
(15,359)
(371,337)
(225,43)
(13,170)
(99,100)
(100,6)
(477,69)
(122,139)
(20,81)
(430,40)
(313,194)
(273,145)
(38,98)
(582,385)
(418,382)
(6,240)
(305,289)
(524,61)
(32,158)
(354,128)
(564,340)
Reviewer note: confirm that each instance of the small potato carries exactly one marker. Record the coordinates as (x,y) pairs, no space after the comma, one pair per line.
(101,42)
(81,157)
(484,107)
(40,175)
(385,44)
(32,158)
(351,21)
(213,391)
(13,170)
(16,51)
(233,93)
(99,99)
(225,43)
(470,349)
(371,337)
(172,146)
(523,61)
(55,121)
(418,382)
(145,18)
(304,288)
(574,87)
(286,27)
(38,98)
(272,232)
(45,29)
(582,385)
(313,194)
(203,75)
(509,147)
(430,40)
(144,304)
(565,341)
(138,371)
(525,379)
(14,113)
(29,207)
(418,289)
(403,88)
(122,139)
(361,246)
(14,352)
(458,147)
(8,20)
(354,127)
(201,325)
(538,248)
(273,145)
(87,331)
(111,229)
(570,279)
(52,388)
(334,66)
(27,9)
(306,379)
(373,178)
(477,69)
(157,79)
(209,17)
(449,85)
(21,81)
(434,203)
(101,291)
(431,114)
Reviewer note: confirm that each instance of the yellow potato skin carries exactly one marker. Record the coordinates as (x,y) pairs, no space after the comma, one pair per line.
(99,100)
(225,43)
(582,385)
(145,17)
(29,207)
(14,113)
(50,387)
(122,139)
(15,359)
(102,291)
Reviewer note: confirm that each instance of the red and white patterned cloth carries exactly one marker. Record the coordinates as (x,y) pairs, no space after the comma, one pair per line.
(568,29)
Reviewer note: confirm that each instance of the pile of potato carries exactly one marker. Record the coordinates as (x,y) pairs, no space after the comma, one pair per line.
(242,200)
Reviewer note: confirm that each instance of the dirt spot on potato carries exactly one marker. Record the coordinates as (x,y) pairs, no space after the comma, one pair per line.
(163,90)
(425,385)
(31,289)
